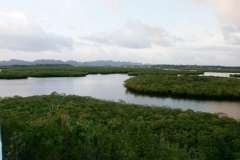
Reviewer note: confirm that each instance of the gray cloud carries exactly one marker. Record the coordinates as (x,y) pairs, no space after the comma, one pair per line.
(231,34)
(214,55)
(31,38)
(119,38)
(134,35)
(157,35)
(223,49)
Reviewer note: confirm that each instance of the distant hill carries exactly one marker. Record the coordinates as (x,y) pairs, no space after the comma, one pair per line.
(71,62)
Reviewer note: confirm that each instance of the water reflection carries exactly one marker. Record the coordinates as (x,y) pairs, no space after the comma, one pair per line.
(110,87)
(231,108)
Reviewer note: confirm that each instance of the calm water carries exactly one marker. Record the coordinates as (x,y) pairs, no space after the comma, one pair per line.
(219,74)
(109,87)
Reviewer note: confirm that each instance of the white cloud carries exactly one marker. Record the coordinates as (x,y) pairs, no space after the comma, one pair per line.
(15,15)
(134,35)
(227,9)
(23,35)
(228,12)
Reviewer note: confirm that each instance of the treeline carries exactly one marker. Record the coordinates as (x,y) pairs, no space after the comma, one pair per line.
(17,72)
(237,70)
(163,72)
(73,127)
(187,86)
(234,75)
(207,68)
(25,73)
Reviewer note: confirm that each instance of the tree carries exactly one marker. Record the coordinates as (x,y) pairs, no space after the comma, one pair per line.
(54,101)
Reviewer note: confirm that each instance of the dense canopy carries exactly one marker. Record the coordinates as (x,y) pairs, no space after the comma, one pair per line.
(18,72)
(188,86)
(74,127)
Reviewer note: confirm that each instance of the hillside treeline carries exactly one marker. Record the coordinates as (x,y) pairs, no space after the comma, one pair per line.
(187,86)
(72,127)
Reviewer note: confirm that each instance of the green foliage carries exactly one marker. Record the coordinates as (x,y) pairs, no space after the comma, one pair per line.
(68,71)
(87,128)
(188,86)
(53,101)
(234,75)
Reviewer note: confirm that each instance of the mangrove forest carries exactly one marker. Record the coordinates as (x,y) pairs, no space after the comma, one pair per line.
(187,86)
(60,126)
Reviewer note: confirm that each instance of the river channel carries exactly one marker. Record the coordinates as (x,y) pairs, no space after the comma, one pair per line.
(110,87)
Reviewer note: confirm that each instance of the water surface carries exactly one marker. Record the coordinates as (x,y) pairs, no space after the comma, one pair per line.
(110,87)
(218,74)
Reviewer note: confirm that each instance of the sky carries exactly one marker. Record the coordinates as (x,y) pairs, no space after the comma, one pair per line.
(201,32)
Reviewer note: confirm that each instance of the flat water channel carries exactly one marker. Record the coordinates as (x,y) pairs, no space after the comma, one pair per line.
(218,74)
(110,87)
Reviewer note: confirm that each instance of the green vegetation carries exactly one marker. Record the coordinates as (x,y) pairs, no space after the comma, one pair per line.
(73,127)
(25,72)
(21,71)
(144,71)
(234,75)
(206,68)
(188,86)
(18,72)
(224,71)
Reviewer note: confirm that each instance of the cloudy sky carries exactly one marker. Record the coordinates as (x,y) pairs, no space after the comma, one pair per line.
(203,32)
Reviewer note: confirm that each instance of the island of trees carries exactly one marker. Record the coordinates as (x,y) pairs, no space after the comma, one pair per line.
(187,86)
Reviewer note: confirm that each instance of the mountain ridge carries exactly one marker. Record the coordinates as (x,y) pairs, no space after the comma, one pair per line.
(71,62)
